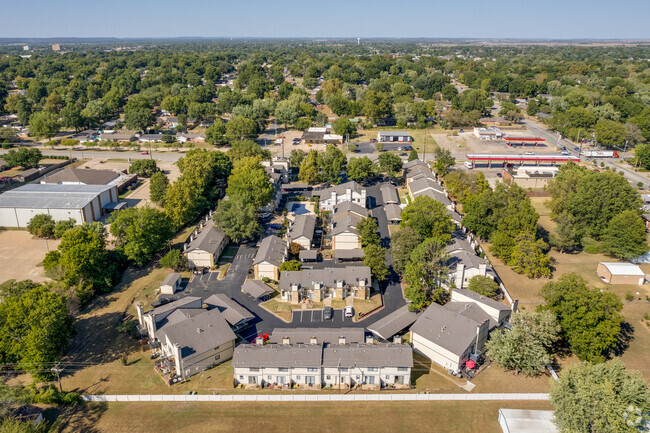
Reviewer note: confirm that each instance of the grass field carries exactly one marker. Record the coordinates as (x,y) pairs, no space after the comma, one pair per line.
(412,417)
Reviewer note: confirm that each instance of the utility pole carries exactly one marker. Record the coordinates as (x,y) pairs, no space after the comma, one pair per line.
(58,371)
(339,376)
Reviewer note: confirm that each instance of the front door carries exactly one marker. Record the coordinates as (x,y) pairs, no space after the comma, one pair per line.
(252,380)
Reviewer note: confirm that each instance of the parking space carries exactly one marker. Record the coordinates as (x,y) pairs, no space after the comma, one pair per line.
(314,318)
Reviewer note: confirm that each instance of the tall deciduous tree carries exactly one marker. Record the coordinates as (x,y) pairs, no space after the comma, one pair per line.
(41,225)
(590,319)
(625,236)
(367,229)
(361,168)
(43,124)
(443,161)
(600,398)
(428,218)
(402,245)
(425,272)
(144,167)
(390,164)
(140,232)
(249,183)
(237,219)
(485,286)
(332,163)
(25,157)
(158,187)
(374,257)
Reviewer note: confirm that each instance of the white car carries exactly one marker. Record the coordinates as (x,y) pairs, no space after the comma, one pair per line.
(278,141)
(530,153)
(469,164)
(349,311)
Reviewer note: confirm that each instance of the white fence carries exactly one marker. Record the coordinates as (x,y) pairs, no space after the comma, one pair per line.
(317,397)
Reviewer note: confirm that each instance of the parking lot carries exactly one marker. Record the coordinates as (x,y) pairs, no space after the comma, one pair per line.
(20,254)
(314,318)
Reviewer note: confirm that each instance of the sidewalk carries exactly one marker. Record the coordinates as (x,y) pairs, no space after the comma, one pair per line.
(321,397)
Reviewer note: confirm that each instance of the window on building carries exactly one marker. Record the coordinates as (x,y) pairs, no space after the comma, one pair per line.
(216,358)
(254,369)
(388,376)
(344,370)
(373,369)
(312,370)
(269,377)
(402,368)
(370,380)
(310,380)
(358,377)
(297,377)
(329,377)
(241,377)
(283,369)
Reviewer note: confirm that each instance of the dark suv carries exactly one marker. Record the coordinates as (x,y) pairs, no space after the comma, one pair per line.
(327,313)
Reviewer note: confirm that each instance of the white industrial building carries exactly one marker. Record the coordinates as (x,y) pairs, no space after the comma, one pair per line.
(83,203)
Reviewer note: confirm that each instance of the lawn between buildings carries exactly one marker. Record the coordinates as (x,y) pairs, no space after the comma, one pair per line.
(322,417)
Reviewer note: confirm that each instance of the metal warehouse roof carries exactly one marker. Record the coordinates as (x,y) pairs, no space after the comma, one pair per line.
(623,268)
(47,196)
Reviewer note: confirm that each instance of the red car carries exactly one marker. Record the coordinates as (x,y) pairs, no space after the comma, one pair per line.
(144,153)
(263,335)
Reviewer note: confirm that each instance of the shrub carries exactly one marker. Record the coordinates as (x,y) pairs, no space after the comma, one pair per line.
(41,225)
(175,260)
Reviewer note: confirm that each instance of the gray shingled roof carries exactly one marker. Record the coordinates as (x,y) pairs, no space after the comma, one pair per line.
(272,250)
(82,175)
(395,322)
(303,225)
(200,333)
(389,194)
(256,288)
(471,311)
(348,207)
(344,223)
(350,275)
(322,335)
(171,279)
(231,310)
(419,171)
(54,196)
(483,299)
(446,328)
(355,253)
(393,212)
(340,189)
(460,251)
(179,303)
(277,355)
(368,355)
(409,165)
(209,239)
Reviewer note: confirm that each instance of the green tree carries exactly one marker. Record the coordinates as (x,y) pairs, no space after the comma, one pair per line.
(485,286)
(443,161)
(71,117)
(290,265)
(463,185)
(63,226)
(374,257)
(143,167)
(590,319)
(296,157)
(43,124)
(425,272)
(249,183)
(158,187)
(237,219)
(528,257)
(413,155)
(402,245)
(625,236)
(309,171)
(367,229)
(216,133)
(138,114)
(140,232)
(343,127)
(428,218)
(610,133)
(241,128)
(174,260)
(41,225)
(287,112)
(246,148)
(359,169)
(564,239)
(25,157)
(525,347)
(333,162)
(390,164)
(600,398)
(377,105)
(34,329)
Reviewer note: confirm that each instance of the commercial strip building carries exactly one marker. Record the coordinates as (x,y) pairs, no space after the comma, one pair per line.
(320,135)
(527,176)
(323,365)
(394,137)
(83,203)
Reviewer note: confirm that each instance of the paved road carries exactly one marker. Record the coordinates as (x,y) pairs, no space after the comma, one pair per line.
(574,149)
(111,154)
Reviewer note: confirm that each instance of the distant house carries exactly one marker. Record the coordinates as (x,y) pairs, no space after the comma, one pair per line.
(621,273)
(204,248)
(150,138)
(316,284)
(171,284)
(116,136)
(270,255)
(344,223)
(301,230)
(189,338)
(394,137)
(194,138)
(349,191)
(318,365)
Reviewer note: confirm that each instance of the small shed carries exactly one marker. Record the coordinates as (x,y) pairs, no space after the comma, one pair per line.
(620,273)
(308,255)
(257,289)
(171,284)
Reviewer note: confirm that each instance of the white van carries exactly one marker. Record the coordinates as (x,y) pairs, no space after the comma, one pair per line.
(349,311)
(469,164)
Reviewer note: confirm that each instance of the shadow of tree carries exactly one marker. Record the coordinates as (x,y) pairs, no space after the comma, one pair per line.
(625,337)
(82,417)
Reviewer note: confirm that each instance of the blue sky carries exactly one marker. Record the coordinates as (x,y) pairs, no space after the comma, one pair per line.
(334,18)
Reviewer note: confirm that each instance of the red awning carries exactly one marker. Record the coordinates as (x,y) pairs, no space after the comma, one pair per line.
(470,364)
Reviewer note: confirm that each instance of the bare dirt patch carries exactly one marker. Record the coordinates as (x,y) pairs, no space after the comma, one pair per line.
(20,255)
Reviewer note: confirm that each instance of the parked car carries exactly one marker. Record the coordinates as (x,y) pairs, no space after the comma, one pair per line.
(263,335)
(198,271)
(275,226)
(373,140)
(296,141)
(327,313)
(278,141)
(349,311)
(144,153)
(499,175)
(530,153)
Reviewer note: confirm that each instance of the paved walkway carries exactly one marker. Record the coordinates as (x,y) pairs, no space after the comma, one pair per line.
(319,397)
